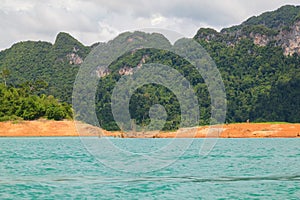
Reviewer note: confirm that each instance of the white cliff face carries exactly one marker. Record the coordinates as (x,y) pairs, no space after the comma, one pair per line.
(290,40)
(259,39)
(126,71)
(102,72)
(74,59)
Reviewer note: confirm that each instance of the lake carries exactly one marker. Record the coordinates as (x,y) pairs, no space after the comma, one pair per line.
(63,168)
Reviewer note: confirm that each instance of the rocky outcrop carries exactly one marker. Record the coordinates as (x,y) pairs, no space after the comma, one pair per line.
(74,59)
(287,37)
(126,71)
(129,70)
(102,72)
(259,39)
(290,39)
(142,61)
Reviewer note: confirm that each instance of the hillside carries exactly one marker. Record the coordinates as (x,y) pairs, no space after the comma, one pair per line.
(281,18)
(260,66)
(56,64)
(278,28)
(23,103)
(258,60)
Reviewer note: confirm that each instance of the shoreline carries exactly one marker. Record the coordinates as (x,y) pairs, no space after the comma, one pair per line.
(67,128)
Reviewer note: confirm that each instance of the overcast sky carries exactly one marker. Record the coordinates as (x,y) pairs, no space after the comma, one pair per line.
(92,21)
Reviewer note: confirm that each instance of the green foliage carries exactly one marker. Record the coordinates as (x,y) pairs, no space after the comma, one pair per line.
(34,62)
(284,16)
(151,94)
(18,103)
(261,83)
(10,118)
(254,79)
(260,29)
(65,43)
(206,32)
(56,113)
(5,74)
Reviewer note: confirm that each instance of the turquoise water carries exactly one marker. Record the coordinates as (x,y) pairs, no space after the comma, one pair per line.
(62,168)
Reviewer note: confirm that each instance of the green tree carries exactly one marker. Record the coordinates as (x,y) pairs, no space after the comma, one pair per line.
(5,74)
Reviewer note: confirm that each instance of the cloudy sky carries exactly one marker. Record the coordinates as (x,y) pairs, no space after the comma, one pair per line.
(91,21)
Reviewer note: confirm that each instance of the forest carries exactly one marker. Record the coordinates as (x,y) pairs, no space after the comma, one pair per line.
(261,82)
(24,103)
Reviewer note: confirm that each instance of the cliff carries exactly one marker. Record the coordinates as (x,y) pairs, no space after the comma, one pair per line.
(277,28)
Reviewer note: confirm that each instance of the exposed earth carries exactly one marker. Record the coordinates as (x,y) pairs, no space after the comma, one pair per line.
(49,128)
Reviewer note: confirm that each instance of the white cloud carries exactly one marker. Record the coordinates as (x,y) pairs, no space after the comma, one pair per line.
(156,19)
(91,21)
(106,31)
(17,5)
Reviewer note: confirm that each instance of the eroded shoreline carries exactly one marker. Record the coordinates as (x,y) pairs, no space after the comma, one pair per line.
(47,128)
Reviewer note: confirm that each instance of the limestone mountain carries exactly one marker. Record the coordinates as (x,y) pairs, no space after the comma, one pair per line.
(56,64)
(279,28)
(258,60)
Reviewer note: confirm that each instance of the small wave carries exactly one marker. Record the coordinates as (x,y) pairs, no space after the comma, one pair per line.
(217,179)
(181,179)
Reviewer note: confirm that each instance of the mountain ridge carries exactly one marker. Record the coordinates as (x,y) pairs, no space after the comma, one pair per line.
(255,61)
(280,27)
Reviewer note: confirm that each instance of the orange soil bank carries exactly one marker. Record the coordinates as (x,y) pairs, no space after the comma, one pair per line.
(49,128)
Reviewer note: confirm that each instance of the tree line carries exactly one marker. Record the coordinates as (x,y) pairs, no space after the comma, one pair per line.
(25,103)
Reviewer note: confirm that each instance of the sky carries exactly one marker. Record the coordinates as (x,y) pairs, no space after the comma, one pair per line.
(92,21)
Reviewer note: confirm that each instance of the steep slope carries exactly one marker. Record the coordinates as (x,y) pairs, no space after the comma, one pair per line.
(259,62)
(56,64)
(278,28)
(283,17)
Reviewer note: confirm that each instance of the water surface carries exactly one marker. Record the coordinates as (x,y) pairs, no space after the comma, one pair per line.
(62,168)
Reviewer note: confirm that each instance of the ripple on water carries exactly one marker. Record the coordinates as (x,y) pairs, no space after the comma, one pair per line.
(61,168)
